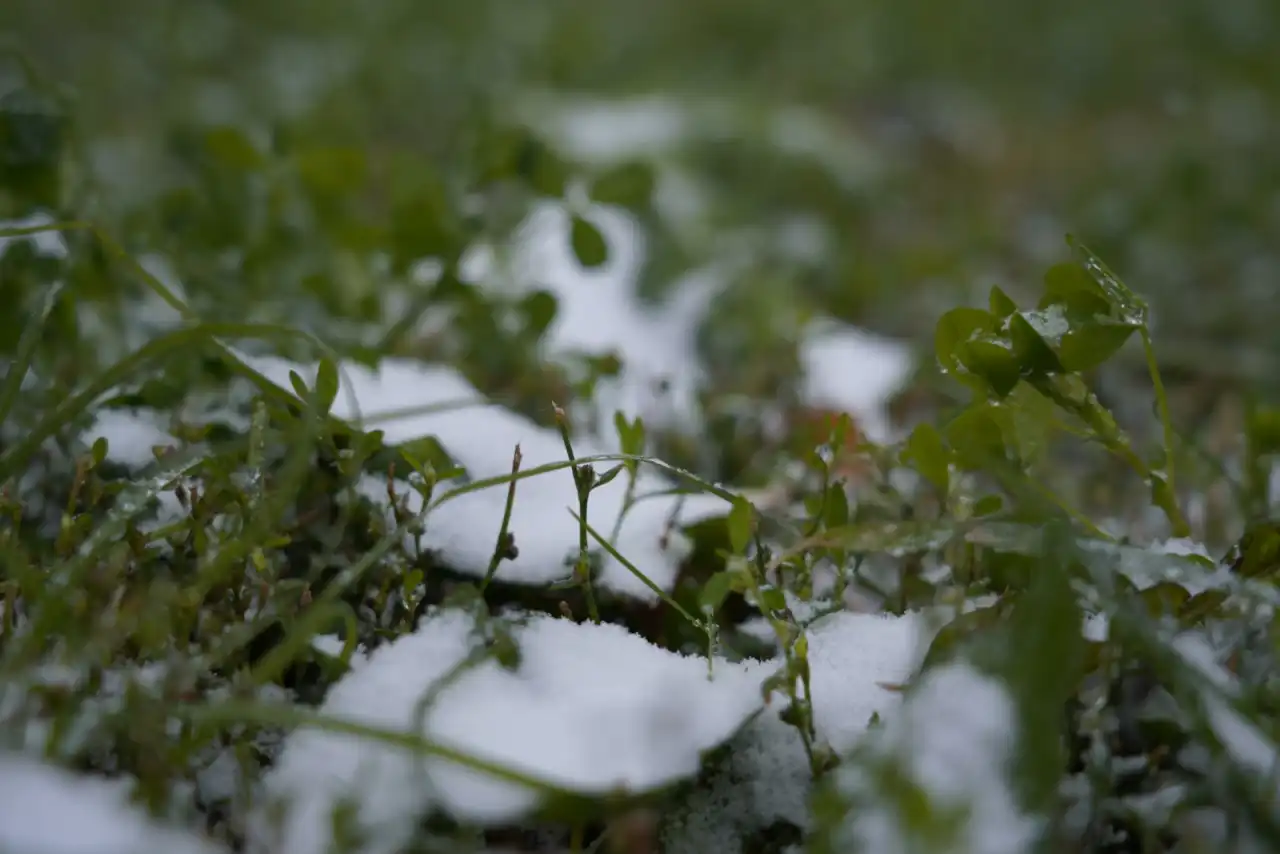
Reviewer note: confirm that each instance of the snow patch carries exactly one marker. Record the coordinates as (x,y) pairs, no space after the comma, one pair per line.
(952,740)
(599,311)
(850,370)
(590,708)
(131,435)
(48,810)
(1243,741)
(600,130)
(766,778)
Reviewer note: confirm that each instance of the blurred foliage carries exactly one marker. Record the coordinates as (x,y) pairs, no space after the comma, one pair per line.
(1147,128)
(295,162)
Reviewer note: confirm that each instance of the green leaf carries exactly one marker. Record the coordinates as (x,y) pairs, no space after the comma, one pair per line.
(951,638)
(988,505)
(1264,429)
(772,599)
(630,433)
(993,361)
(1030,423)
(1044,662)
(545,172)
(517,154)
(1000,304)
(299,386)
(741,524)
(588,243)
(326,390)
(896,538)
(716,590)
(836,506)
(1201,606)
(1067,284)
(539,310)
(427,453)
(954,329)
(1165,598)
(1258,551)
(409,584)
(629,185)
(631,437)
(1132,309)
(925,449)
(607,476)
(977,438)
(1035,357)
(1086,347)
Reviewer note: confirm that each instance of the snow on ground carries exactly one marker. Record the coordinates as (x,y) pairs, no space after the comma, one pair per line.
(131,435)
(600,312)
(482,439)
(852,657)
(846,369)
(952,740)
(590,709)
(48,810)
(851,370)
(596,130)
(1243,741)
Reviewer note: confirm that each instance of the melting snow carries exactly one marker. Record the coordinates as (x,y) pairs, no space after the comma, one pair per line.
(590,708)
(130,435)
(850,370)
(845,368)
(1183,561)
(1247,745)
(48,810)
(600,312)
(767,778)
(952,740)
(599,130)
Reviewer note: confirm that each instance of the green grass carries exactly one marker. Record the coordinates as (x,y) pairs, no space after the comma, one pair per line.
(1069,423)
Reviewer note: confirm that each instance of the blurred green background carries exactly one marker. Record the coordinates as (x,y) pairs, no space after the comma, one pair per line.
(987,130)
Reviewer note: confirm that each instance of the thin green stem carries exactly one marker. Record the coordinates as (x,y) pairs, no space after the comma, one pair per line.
(618,556)
(583,481)
(232,712)
(504,548)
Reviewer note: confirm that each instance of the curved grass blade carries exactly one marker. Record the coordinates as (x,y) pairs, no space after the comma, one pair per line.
(25,353)
(234,712)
